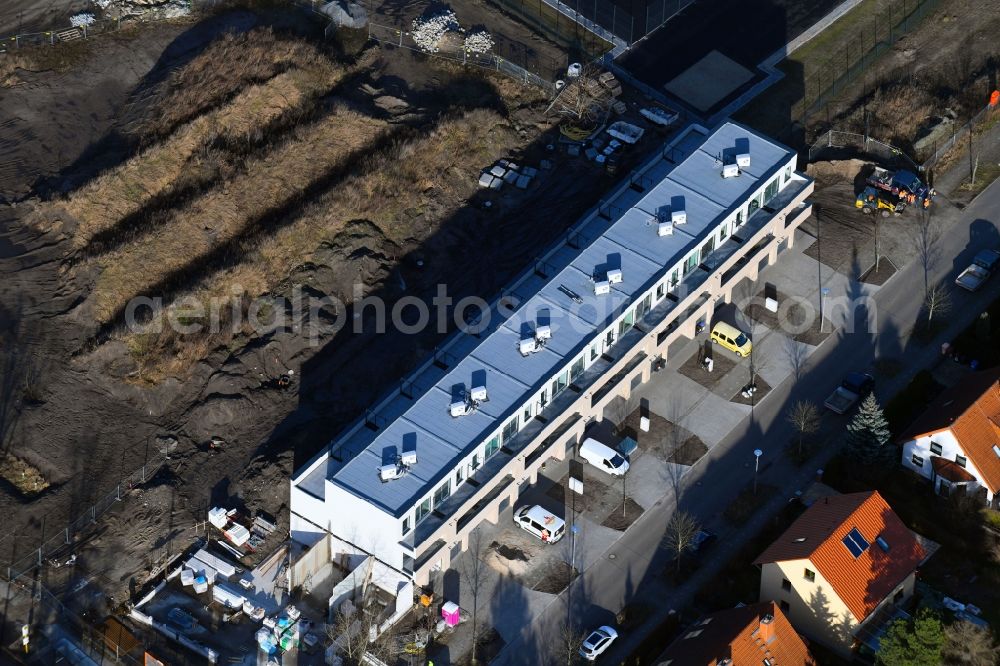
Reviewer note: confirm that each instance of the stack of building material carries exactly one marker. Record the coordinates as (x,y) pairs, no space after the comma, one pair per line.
(238,534)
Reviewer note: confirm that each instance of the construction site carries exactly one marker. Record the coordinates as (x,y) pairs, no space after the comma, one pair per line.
(233,160)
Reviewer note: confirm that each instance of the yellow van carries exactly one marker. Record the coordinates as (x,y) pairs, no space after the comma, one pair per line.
(731,338)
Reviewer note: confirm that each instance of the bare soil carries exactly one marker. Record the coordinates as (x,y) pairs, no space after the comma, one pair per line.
(794,317)
(621,520)
(665,438)
(87,418)
(694,367)
(763,388)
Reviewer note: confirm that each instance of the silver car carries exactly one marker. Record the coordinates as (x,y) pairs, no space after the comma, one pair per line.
(597,642)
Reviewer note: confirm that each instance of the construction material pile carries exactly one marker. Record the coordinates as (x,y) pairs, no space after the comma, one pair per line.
(586,102)
(430,29)
(479,41)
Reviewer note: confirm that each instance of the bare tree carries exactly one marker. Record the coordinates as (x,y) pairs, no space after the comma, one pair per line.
(565,649)
(585,102)
(679,535)
(969,645)
(356,626)
(937,301)
(473,569)
(804,417)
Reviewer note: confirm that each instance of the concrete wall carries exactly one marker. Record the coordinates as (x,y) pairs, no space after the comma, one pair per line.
(364,525)
(949,449)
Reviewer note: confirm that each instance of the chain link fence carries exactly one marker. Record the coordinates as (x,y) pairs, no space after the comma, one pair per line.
(66,538)
(895,19)
(983,119)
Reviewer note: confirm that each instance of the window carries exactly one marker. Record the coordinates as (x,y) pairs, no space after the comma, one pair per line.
(786,585)
(935,448)
(784,606)
(644,306)
(770,190)
(855,543)
(576,369)
(609,339)
(707,248)
(916,460)
(459,476)
(543,399)
(492,447)
(882,543)
(626,322)
(961,460)
(659,295)
(739,218)
(723,232)
(474,464)
(996,450)
(509,430)
(754,205)
(594,352)
(406,525)
(423,509)
(675,278)
(690,263)
(527,413)
(809,575)
(788,173)
(896,598)
(442,493)
(560,382)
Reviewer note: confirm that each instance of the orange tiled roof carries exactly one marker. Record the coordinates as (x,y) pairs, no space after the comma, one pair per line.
(971,410)
(950,470)
(861,582)
(736,634)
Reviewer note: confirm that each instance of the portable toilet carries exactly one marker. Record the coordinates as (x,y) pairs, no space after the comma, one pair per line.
(451,613)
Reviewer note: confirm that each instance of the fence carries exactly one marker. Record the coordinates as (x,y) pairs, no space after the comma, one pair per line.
(898,18)
(835,144)
(984,117)
(65,538)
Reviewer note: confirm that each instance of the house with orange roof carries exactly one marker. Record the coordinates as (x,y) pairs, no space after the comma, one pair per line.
(742,636)
(843,570)
(955,443)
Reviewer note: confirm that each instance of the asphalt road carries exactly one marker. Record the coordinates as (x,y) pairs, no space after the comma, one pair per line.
(630,570)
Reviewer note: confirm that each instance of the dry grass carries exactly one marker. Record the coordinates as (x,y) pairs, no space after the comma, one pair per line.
(417,172)
(220,215)
(222,70)
(22,475)
(59,57)
(176,161)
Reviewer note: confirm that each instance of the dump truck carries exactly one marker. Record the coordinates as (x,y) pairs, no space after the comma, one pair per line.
(872,200)
(903,184)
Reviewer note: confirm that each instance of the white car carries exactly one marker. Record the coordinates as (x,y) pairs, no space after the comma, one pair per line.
(597,642)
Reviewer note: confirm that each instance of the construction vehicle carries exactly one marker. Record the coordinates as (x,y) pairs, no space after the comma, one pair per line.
(872,200)
(903,184)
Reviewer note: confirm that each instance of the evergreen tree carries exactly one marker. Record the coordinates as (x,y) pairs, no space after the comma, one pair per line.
(868,434)
(916,642)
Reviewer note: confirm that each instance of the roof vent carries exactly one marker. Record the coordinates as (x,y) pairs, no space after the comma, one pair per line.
(389,472)
(534,341)
(461,408)
(665,228)
(478,394)
(602,287)
(409,456)
(743,153)
(730,170)
(615,275)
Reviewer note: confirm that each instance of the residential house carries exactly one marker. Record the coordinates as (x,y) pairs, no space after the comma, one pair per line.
(842,570)
(956,442)
(745,636)
(466,434)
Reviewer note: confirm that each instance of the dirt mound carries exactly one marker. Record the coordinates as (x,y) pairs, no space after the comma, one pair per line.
(839,170)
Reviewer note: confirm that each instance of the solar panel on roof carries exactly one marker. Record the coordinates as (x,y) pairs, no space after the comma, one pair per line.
(855,542)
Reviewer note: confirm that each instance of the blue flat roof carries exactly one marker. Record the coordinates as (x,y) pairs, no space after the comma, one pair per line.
(566,300)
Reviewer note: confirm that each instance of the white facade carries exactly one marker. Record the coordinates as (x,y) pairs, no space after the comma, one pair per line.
(917,454)
(399,535)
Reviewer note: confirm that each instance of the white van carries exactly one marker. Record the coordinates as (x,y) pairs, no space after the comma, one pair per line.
(543,524)
(603,457)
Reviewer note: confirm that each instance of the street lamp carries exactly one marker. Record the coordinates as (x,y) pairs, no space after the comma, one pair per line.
(757,453)
(823,293)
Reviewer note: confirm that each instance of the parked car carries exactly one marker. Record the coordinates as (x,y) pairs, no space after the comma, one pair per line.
(597,642)
(603,457)
(540,523)
(854,387)
(983,266)
(731,338)
(702,540)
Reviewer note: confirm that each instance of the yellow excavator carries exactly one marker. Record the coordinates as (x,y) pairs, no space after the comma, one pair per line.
(872,200)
